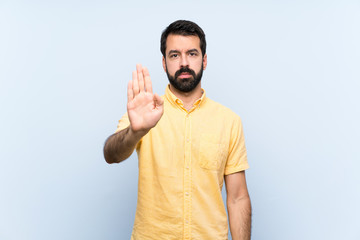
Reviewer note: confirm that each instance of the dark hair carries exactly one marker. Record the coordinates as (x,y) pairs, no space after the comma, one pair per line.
(184,28)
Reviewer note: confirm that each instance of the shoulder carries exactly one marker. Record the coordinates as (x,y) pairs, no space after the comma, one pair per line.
(221,110)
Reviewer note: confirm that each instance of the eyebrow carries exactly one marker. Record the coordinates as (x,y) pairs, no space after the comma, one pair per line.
(193,50)
(173,51)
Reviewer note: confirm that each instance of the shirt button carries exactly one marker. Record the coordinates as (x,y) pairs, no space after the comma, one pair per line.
(187,194)
(187,221)
(188,140)
(187,167)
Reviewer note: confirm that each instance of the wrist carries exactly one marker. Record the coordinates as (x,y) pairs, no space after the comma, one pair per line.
(137,134)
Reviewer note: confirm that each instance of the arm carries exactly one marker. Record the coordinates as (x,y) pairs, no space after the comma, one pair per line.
(239,206)
(120,145)
(144,110)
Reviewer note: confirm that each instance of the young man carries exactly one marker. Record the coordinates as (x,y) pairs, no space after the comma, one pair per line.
(187,145)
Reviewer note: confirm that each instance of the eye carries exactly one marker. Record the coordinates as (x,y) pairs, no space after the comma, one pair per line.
(174,55)
(193,54)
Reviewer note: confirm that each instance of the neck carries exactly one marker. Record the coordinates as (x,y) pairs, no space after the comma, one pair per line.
(188,98)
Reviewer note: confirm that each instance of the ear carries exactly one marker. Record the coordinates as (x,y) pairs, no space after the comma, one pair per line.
(205,61)
(164,63)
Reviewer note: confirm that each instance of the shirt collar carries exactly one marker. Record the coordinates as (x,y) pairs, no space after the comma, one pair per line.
(177,102)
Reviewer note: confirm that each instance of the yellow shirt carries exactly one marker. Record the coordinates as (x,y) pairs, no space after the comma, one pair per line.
(182,163)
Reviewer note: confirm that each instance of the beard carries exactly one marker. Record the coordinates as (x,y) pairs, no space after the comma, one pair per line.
(185,84)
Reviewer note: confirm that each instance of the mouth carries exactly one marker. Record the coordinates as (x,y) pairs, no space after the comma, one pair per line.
(185,75)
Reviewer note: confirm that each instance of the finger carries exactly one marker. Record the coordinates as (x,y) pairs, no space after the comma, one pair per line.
(148,84)
(135,83)
(140,77)
(130,93)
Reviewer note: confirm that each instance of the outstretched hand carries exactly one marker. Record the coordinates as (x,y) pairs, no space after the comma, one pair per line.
(144,108)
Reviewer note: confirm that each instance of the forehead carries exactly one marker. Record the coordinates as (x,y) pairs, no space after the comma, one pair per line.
(182,43)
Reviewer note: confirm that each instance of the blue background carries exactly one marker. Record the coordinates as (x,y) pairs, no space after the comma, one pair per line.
(290,69)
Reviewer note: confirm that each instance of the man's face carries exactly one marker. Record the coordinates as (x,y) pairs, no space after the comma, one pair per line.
(184,63)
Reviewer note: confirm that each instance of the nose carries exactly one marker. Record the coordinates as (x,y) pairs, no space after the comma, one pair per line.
(184,61)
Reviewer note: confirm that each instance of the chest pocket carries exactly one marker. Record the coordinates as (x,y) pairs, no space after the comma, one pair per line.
(212,152)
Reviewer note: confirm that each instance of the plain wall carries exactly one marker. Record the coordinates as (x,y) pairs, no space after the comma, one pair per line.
(290,69)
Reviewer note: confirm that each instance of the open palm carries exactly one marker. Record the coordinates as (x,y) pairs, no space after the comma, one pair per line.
(144,108)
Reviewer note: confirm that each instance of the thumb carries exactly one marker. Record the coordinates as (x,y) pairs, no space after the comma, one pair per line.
(158,100)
